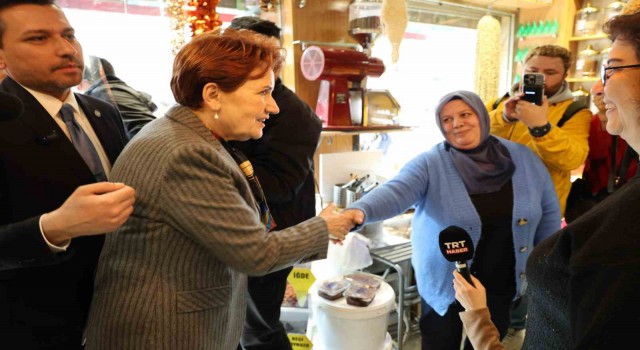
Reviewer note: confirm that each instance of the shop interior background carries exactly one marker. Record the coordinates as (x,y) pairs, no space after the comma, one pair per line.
(437,56)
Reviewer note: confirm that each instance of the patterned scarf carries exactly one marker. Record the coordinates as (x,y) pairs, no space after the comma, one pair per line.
(254,183)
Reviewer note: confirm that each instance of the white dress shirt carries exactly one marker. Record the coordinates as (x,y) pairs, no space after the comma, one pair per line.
(53,105)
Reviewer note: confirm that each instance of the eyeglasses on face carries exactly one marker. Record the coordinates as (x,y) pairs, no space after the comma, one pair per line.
(607,72)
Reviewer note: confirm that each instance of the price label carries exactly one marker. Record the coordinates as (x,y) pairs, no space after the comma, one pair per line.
(301,279)
(299,341)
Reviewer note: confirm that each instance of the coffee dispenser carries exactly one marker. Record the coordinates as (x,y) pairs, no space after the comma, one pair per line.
(364,22)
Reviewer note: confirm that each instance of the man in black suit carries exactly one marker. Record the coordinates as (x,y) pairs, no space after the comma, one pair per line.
(51,208)
(283,161)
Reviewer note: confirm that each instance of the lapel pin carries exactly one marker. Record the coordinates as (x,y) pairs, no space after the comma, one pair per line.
(522,222)
(97,113)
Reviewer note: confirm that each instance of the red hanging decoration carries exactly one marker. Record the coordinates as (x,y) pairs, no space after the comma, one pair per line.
(202,16)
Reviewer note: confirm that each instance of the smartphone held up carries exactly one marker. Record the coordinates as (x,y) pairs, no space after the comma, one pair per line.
(532,88)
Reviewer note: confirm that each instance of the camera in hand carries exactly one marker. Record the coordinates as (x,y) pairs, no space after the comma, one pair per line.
(533,88)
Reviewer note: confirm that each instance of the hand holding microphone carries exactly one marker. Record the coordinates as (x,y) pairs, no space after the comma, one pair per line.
(456,246)
(471,297)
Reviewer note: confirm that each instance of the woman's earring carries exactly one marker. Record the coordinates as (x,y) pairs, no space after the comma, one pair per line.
(216,116)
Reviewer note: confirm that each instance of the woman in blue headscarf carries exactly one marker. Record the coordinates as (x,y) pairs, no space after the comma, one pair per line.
(496,190)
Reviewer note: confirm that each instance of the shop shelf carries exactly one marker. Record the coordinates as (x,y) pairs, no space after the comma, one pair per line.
(588,37)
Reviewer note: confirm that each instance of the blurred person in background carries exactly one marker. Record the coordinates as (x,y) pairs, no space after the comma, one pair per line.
(497,190)
(283,161)
(100,81)
(175,275)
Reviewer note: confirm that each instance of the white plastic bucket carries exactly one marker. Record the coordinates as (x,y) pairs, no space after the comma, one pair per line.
(340,326)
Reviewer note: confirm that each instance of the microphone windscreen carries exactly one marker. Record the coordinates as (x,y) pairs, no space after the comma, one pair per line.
(455,244)
(10,106)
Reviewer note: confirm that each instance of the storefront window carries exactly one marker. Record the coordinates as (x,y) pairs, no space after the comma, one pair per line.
(437,56)
(135,37)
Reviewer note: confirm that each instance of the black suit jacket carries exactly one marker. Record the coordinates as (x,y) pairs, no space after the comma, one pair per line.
(283,161)
(44,297)
(283,158)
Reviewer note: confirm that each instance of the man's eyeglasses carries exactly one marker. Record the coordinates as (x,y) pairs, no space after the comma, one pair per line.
(606,72)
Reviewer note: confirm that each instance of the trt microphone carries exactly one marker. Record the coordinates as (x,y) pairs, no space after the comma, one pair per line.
(10,106)
(456,245)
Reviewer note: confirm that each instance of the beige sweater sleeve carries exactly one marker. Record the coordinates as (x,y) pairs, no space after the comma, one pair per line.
(481,332)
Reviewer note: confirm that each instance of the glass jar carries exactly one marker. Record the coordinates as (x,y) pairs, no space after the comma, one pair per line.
(613,9)
(581,95)
(527,30)
(548,30)
(520,33)
(586,20)
(604,54)
(364,21)
(555,26)
(587,62)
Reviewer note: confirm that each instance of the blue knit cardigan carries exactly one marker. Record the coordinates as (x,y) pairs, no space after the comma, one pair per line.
(431,184)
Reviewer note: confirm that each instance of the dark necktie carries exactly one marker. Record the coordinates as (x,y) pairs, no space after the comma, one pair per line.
(82,143)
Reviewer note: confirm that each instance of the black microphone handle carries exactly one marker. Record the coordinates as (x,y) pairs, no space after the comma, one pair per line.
(462,268)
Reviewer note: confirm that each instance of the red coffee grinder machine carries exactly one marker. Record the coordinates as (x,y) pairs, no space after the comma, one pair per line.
(343,71)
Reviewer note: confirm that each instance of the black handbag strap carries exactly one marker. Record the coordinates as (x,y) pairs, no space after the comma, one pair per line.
(612,166)
(574,107)
(498,101)
(618,177)
(629,154)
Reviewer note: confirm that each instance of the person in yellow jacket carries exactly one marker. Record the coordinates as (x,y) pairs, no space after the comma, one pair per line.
(562,149)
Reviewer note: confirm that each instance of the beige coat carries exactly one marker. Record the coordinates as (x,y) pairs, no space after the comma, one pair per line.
(174,275)
(482,333)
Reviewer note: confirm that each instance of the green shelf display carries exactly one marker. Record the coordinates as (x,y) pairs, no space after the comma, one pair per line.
(538,29)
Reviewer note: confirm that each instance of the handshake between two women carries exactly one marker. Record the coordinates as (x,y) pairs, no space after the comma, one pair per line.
(339,223)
